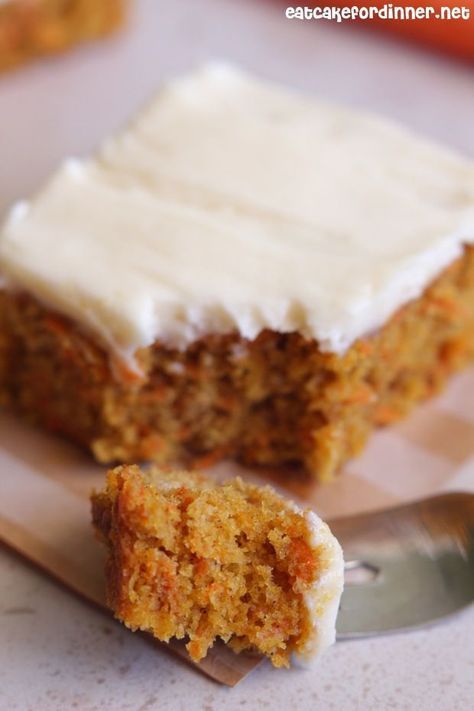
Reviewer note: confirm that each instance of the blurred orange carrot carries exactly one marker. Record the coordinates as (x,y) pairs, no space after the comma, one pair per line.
(455,35)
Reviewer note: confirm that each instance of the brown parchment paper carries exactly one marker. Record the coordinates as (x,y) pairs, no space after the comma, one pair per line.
(45,485)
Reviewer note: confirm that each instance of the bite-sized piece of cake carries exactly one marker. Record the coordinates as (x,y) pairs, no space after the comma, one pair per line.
(190,558)
(30,28)
(244,272)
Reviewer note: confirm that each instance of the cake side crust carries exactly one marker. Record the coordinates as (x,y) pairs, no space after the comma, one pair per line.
(271,401)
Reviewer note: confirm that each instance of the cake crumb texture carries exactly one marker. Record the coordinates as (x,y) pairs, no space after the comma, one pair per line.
(189,558)
(273,401)
(30,28)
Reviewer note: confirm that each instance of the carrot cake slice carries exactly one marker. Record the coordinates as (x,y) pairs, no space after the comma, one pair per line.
(243,272)
(30,28)
(190,558)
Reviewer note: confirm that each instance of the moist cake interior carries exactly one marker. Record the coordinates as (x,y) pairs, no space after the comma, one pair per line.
(195,560)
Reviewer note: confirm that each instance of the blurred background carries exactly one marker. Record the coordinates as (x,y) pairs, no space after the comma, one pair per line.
(65,104)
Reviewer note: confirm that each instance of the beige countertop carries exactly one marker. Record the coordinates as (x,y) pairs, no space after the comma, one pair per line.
(58,653)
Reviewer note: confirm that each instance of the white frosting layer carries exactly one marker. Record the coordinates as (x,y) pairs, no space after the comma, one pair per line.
(234,205)
(322,602)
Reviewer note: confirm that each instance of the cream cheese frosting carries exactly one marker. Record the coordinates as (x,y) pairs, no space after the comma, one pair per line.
(231,204)
(322,601)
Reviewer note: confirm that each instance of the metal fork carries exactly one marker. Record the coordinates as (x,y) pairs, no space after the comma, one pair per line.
(407,566)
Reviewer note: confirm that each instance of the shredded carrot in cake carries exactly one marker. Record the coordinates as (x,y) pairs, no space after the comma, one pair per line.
(189,558)
(275,400)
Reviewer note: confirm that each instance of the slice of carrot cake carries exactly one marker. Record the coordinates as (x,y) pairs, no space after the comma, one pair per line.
(190,558)
(30,28)
(243,272)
